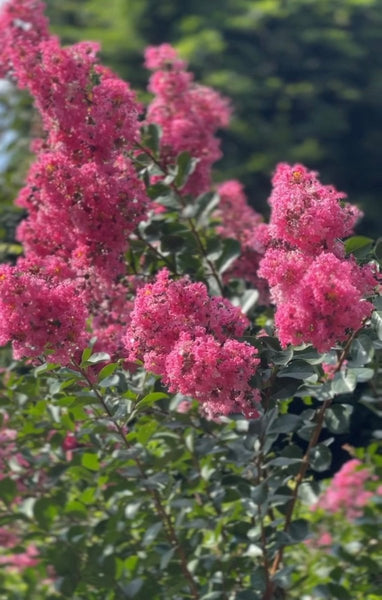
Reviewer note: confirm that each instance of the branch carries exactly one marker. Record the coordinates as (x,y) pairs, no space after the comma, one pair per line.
(166,519)
(157,253)
(319,418)
(190,221)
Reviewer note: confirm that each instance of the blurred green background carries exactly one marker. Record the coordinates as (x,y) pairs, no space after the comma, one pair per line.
(304,76)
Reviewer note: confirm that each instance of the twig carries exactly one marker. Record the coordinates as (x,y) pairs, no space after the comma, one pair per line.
(166,519)
(157,253)
(190,221)
(319,418)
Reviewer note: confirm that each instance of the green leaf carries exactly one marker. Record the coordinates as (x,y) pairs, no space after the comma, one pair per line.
(156,191)
(362,351)
(378,250)
(376,319)
(45,368)
(248,300)
(281,357)
(205,204)
(214,248)
(358,245)
(109,381)
(86,355)
(131,509)
(337,418)
(151,136)
(185,167)
(253,550)
(151,533)
(299,530)
(132,588)
(259,493)
(90,461)
(310,355)
(8,489)
(98,357)
(107,370)
(339,592)
(45,511)
(284,461)
(259,579)
(246,595)
(285,424)
(165,558)
(320,458)
(297,369)
(231,250)
(344,382)
(309,492)
(362,374)
(145,432)
(150,399)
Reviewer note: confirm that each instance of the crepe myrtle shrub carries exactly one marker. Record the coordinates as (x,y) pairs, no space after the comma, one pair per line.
(159,331)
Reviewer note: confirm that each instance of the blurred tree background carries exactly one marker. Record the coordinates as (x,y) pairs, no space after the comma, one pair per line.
(304,76)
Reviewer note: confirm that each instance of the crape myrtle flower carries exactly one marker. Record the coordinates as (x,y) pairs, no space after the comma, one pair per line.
(319,293)
(183,335)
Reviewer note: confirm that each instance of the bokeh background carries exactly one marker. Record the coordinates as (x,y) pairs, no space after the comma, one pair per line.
(304,76)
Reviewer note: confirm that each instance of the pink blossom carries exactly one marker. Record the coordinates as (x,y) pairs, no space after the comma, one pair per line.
(307,214)
(283,270)
(182,334)
(188,114)
(7,538)
(158,57)
(239,221)
(39,317)
(22,27)
(93,211)
(325,303)
(82,195)
(324,539)
(164,309)
(319,293)
(346,491)
(215,374)
(184,406)
(330,369)
(21,560)
(70,442)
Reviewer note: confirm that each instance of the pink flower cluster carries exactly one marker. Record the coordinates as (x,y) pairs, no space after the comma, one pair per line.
(306,214)
(82,195)
(347,492)
(319,294)
(16,561)
(239,221)
(189,115)
(38,316)
(182,334)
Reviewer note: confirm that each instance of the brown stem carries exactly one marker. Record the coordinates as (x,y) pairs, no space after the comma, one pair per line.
(269,584)
(319,418)
(320,414)
(190,221)
(203,251)
(157,253)
(166,519)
